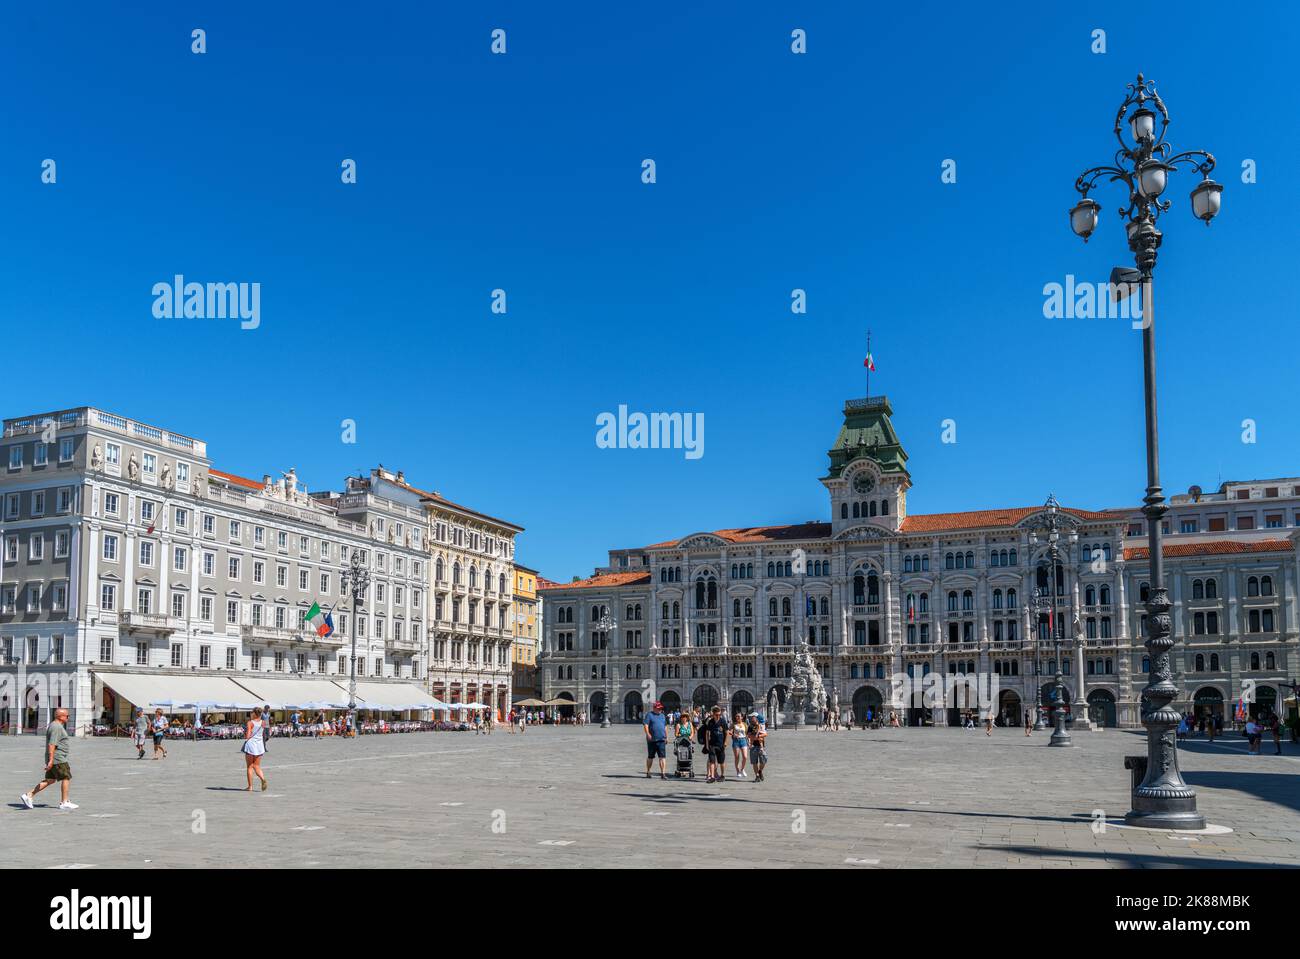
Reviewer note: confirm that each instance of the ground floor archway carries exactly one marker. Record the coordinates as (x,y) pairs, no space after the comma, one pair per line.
(1265,703)
(671,700)
(1208,702)
(867,703)
(632,707)
(742,702)
(1010,709)
(565,711)
(1101,708)
(596,710)
(705,696)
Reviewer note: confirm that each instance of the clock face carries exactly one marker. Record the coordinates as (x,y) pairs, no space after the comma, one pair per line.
(863,483)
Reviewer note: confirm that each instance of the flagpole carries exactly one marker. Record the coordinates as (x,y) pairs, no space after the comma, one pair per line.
(868,364)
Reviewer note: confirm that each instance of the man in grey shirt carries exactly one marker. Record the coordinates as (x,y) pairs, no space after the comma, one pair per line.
(56,761)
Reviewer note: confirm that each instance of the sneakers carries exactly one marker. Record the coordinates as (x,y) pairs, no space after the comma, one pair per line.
(27,800)
(68,806)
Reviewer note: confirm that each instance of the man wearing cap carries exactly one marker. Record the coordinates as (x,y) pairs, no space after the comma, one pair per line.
(656,739)
(716,731)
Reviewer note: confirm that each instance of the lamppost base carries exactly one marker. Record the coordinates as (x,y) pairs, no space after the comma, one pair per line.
(1060,738)
(1171,818)
(604,723)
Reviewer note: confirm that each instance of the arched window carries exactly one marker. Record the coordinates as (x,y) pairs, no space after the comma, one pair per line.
(1254,661)
(961,560)
(1146,664)
(455,573)
(997,599)
(1198,589)
(665,611)
(1105,595)
(844,511)
(749,607)
(1214,662)
(438,566)
(1087,554)
(948,561)
(925,563)
(826,607)
(1254,621)
(1270,662)
(884,507)
(1211,589)
(952,601)
(1011,599)
(1105,627)
(967,600)
(1013,558)
(924,605)
(1266,586)
(1090,596)
(787,568)
(856,514)
(970,560)
(771,606)
(735,607)
(1252,586)
(872,507)
(677,610)
(1105,551)
(859,590)
(785,606)
(771,569)
(1268,620)
(873,589)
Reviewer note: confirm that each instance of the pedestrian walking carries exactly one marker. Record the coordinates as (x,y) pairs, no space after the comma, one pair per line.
(1211,726)
(141,731)
(56,763)
(159,727)
(254,748)
(266,725)
(1275,727)
(655,725)
(522,719)
(1029,723)
(988,723)
(716,730)
(740,745)
(757,736)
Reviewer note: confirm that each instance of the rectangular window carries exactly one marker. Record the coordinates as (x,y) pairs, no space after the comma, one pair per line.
(182,519)
(232,568)
(38,503)
(106,650)
(108,596)
(110,548)
(41,453)
(234,530)
(205,608)
(150,465)
(179,558)
(11,506)
(65,450)
(142,654)
(232,612)
(205,657)
(230,658)
(1218,524)
(146,552)
(59,597)
(178,605)
(64,502)
(209,524)
(259,572)
(259,535)
(303,579)
(36,546)
(61,544)
(1187,526)
(16,456)
(113,458)
(177,652)
(1245,522)
(111,504)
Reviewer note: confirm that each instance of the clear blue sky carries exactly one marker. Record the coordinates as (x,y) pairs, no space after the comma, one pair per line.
(522,172)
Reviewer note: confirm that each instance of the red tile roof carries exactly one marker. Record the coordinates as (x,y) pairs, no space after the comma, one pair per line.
(234,480)
(924,523)
(544,583)
(636,578)
(984,518)
(1214,548)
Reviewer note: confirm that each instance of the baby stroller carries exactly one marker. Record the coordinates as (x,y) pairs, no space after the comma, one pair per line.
(685,752)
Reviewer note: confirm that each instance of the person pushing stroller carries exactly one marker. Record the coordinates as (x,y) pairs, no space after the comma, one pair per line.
(684,747)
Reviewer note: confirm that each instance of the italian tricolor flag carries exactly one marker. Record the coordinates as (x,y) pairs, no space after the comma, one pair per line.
(321,622)
(870,363)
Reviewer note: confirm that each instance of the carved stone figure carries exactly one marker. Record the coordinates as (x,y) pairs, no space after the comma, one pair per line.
(167,476)
(200,484)
(806,689)
(96,458)
(132,469)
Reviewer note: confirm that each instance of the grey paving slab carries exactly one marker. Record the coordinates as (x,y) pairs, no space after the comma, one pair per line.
(570,798)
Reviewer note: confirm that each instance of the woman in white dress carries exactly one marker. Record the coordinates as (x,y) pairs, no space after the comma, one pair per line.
(254,747)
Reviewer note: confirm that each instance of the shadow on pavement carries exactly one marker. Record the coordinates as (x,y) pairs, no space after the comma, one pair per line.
(1139,860)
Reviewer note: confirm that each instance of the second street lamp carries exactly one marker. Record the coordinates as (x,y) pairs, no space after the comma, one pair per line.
(1143,164)
(607,625)
(356,579)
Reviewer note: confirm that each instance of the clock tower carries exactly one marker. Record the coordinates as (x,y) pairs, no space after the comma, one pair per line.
(868,478)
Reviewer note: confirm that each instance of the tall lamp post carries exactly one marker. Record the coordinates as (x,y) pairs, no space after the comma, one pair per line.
(1046,601)
(1143,164)
(607,625)
(356,579)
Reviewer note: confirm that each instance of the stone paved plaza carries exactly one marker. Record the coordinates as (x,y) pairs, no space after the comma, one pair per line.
(575,797)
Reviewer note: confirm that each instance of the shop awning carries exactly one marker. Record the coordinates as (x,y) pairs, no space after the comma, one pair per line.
(177,692)
(392,696)
(300,693)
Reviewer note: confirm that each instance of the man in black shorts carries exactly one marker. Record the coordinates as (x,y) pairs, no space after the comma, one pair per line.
(656,739)
(716,730)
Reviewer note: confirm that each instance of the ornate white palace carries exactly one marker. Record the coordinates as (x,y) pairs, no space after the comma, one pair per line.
(878,593)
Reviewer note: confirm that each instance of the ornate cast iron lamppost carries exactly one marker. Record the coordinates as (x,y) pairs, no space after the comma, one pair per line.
(356,579)
(1162,799)
(606,625)
(1046,601)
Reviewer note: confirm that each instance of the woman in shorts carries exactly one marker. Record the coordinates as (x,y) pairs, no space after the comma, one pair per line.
(739,745)
(159,731)
(254,749)
(757,737)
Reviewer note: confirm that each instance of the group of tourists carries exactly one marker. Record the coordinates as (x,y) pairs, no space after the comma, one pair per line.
(746,735)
